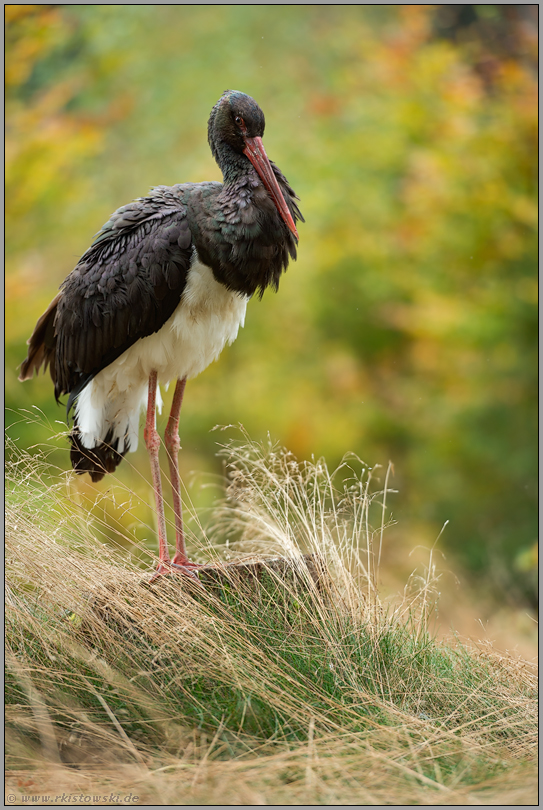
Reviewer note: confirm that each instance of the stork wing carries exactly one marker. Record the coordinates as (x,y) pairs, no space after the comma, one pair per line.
(125,287)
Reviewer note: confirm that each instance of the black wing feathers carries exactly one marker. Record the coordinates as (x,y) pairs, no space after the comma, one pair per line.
(125,287)
(42,344)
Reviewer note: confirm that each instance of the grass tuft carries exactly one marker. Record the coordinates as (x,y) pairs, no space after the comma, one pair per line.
(276,689)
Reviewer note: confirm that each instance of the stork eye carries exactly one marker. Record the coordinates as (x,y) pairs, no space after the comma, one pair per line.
(239,121)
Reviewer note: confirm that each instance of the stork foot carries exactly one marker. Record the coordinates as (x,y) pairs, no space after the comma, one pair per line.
(164,569)
(183,562)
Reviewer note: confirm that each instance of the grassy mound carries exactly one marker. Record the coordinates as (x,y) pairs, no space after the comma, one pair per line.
(273,692)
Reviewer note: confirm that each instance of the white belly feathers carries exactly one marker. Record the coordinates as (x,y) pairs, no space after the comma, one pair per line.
(208,317)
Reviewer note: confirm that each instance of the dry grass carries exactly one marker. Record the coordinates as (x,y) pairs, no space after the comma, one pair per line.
(279,694)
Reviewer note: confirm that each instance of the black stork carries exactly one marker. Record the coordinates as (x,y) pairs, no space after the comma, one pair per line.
(159,293)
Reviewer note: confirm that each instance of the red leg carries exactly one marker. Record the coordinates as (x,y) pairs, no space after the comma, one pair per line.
(171,440)
(152,442)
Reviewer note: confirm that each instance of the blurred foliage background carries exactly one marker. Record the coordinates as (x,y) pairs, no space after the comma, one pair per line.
(407,328)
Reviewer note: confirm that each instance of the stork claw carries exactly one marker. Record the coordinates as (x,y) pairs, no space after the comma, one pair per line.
(178,560)
(164,569)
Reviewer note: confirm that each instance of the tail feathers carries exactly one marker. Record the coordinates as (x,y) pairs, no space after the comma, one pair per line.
(42,344)
(98,461)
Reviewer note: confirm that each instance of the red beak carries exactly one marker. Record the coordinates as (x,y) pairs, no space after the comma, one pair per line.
(254,149)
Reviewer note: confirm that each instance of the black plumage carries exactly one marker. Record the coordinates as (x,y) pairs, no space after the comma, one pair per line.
(129,282)
(132,279)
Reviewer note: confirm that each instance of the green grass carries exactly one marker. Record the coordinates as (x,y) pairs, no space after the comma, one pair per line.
(280,692)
